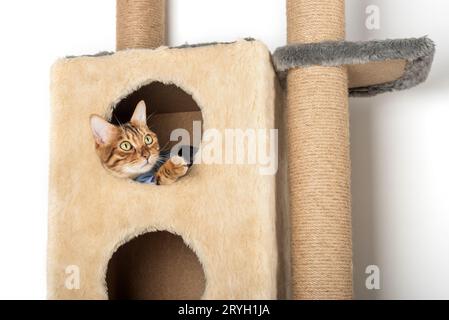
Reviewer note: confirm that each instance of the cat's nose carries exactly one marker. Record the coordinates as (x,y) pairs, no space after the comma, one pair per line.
(145,154)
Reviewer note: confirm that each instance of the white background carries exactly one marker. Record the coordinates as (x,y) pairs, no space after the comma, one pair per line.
(399,141)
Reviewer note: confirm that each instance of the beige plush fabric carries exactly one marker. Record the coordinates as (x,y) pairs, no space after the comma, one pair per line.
(228,214)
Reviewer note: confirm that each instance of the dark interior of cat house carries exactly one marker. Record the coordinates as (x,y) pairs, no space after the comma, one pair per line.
(158,265)
(155,266)
(168,108)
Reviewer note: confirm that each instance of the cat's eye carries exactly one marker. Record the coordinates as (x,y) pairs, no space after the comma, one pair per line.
(148,140)
(126,146)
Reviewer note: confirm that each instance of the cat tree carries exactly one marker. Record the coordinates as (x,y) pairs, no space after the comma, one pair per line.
(221,232)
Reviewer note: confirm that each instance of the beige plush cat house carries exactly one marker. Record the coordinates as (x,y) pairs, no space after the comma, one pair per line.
(222,231)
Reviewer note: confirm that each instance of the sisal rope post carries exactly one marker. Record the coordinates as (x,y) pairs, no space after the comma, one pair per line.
(140,24)
(319,161)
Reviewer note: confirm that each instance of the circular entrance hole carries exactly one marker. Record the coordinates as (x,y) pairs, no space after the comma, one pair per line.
(155,266)
(168,108)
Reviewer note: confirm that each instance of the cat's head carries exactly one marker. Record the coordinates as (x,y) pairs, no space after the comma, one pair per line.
(127,150)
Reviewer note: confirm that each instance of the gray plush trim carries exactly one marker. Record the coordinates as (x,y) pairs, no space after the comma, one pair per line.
(99,54)
(206,44)
(183,46)
(418,53)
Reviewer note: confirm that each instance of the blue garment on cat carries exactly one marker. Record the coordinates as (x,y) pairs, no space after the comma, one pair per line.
(149,177)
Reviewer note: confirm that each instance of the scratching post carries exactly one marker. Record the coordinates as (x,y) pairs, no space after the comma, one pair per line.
(318,158)
(140,24)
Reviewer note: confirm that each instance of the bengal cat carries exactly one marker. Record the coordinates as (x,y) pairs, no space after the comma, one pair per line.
(132,150)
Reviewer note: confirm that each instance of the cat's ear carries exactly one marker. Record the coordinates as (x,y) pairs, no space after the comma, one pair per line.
(140,114)
(102,130)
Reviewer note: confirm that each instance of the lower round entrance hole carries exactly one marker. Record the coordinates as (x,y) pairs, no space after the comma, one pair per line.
(155,266)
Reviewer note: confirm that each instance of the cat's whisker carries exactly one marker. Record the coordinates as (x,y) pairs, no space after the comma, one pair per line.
(152,114)
(148,118)
(164,146)
(162,159)
(118,121)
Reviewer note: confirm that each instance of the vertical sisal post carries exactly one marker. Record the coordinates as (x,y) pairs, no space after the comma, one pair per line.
(318,157)
(140,24)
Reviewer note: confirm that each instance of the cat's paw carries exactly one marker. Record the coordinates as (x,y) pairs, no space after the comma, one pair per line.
(173,169)
(178,161)
(177,166)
